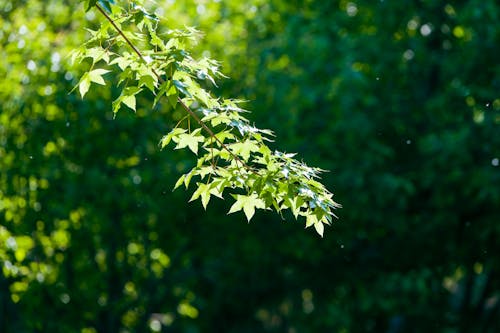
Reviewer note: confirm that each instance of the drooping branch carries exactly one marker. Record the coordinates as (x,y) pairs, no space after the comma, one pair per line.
(255,176)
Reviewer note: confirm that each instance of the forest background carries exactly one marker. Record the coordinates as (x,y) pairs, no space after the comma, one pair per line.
(399,99)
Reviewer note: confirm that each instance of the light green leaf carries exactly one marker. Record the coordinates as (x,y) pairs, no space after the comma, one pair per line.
(244,148)
(173,133)
(319,228)
(204,171)
(97,54)
(203,96)
(129,101)
(147,78)
(191,140)
(293,204)
(216,118)
(173,96)
(222,136)
(74,55)
(122,62)
(155,40)
(248,204)
(84,84)
(221,118)
(163,88)
(126,75)
(202,191)
(217,189)
(179,181)
(187,180)
(96,76)
(172,43)
(127,97)
(311,220)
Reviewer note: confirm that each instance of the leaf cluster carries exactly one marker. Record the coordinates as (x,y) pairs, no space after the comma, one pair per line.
(233,156)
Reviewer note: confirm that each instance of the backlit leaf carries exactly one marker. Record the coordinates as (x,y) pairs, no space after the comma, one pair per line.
(319,228)
(96,76)
(129,101)
(190,140)
(248,204)
(84,85)
(244,148)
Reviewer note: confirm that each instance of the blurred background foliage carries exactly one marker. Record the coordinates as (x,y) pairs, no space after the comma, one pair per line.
(400,99)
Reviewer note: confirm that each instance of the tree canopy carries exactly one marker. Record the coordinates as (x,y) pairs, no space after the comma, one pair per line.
(400,100)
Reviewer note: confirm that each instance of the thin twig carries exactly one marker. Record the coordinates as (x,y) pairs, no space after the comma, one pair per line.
(180,101)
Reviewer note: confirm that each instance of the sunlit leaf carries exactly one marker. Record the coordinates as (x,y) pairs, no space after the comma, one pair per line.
(96,76)
(244,148)
(319,228)
(202,191)
(190,140)
(248,204)
(84,84)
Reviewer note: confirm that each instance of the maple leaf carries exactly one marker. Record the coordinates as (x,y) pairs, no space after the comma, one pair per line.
(248,204)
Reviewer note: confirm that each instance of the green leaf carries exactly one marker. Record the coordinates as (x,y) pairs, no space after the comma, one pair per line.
(97,54)
(74,55)
(222,136)
(187,180)
(244,148)
(319,226)
(217,119)
(179,181)
(203,96)
(190,140)
(204,171)
(181,87)
(172,96)
(129,101)
(148,81)
(248,204)
(126,75)
(105,4)
(96,76)
(122,62)
(84,84)
(293,203)
(146,76)
(127,97)
(155,40)
(173,133)
(161,91)
(202,191)
(217,187)
(312,220)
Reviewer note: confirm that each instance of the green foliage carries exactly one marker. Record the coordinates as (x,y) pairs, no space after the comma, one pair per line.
(241,161)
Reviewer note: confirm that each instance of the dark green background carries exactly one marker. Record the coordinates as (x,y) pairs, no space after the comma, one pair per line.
(399,99)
